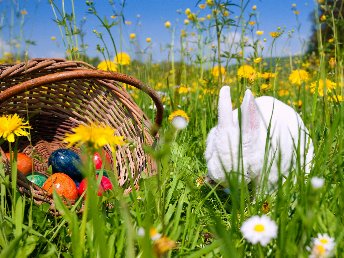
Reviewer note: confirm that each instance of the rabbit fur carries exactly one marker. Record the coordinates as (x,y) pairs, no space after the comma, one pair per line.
(287,131)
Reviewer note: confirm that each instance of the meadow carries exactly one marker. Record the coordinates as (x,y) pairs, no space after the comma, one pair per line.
(178,212)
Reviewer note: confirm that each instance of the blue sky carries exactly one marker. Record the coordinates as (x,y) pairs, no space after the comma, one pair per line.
(147,18)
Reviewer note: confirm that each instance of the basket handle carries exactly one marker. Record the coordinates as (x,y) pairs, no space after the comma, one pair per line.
(87,73)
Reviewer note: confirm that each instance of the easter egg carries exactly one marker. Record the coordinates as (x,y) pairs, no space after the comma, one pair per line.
(105,184)
(66,161)
(24,163)
(37,178)
(98,160)
(63,185)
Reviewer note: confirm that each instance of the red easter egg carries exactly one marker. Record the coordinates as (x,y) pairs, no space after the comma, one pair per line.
(24,163)
(98,161)
(105,184)
(63,185)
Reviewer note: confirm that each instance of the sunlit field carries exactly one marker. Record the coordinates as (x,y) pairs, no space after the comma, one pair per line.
(180,211)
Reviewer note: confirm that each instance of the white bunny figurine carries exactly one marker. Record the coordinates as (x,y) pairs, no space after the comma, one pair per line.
(287,130)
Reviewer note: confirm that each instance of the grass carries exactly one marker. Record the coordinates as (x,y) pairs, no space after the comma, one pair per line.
(194,218)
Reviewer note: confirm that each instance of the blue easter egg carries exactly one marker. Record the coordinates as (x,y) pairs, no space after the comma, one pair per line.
(66,161)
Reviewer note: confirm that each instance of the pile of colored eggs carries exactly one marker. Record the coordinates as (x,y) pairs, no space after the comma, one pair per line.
(67,179)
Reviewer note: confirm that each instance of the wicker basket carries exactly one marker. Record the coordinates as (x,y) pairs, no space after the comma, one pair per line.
(57,95)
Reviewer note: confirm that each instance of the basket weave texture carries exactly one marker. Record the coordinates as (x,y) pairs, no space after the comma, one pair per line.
(56,95)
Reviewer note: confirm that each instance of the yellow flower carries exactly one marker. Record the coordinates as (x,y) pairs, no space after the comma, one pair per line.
(163,245)
(265,86)
(283,92)
(321,85)
(257,60)
(323,18)
(331,40)
(252,23)
(259,32)
(167,24)
(332,62)
(11,126)
(296,12)
(23,12)
(179,119)
(254,7)
(122,58)
(183,90)
(53,38)
(202,6)
(338,98)
(186,21)
(299,76)
(96,135)
(267,75)
(132,35)
(187,11)
(247,72)
(107,65)
(275,34)
(127,22)
(208,16)
(209,2)
(148,40)
(216,71)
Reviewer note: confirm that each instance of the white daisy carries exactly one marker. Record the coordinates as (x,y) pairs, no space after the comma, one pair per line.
(317,182)
(259,230)
(322,246)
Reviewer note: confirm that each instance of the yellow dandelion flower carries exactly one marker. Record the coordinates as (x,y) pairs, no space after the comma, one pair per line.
(257,60)
(330,40)
(200,181)
(252,23)
(296,12)
(127,22)
(215,71)
(132,35)
(187,11)
(254,7)
(267,75)
(167,24)
(148,40)
(247,72)
(323,18)
(202,6)
(332,62)
(23,12)
(186,21)
(265,86)
(53,38)
(209,2)
(259,32)
(179,119)
(163,245)
(183,90)
(122,58)
(298,77)
(283,92)
(322,86)
(11,126)
(107,65)
(208,16)
(275,34)
(337,98)
(113,16)
(192,17)
(95,135)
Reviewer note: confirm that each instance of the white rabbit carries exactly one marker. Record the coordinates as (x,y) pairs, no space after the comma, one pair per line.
(287,130)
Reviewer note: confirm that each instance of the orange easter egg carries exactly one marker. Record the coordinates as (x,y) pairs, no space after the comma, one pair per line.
(24,163)
(63,185)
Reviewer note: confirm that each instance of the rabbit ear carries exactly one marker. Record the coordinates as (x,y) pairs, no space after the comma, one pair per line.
(250,114)
(225,107)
